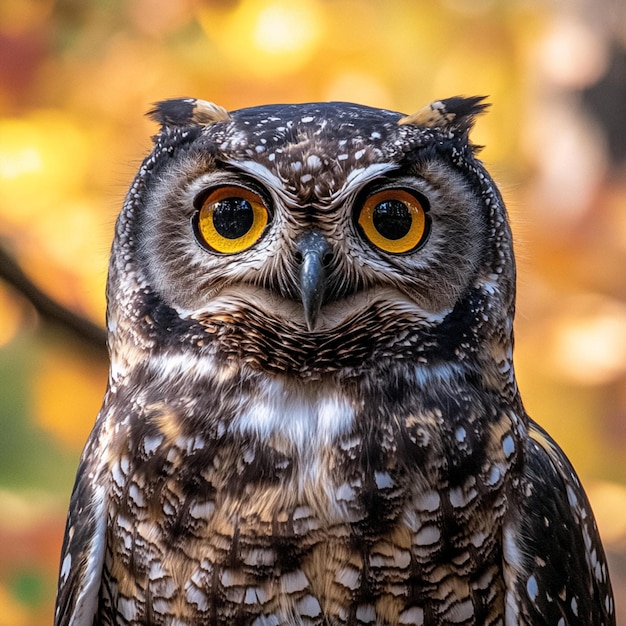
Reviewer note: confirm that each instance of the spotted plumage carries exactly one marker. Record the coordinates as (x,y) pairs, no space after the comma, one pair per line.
(312,415)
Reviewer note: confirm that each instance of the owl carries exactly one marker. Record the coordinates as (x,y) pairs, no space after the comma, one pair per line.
(312,415)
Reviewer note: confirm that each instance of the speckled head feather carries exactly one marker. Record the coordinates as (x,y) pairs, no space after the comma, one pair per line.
(312,416)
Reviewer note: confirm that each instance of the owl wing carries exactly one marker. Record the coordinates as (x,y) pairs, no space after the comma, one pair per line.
(557,572)
(82,555)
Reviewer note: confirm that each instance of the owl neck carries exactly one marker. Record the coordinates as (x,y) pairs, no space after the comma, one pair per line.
(147,333)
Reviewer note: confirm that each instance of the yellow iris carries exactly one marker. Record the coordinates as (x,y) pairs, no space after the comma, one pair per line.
(394,220)
(231,219)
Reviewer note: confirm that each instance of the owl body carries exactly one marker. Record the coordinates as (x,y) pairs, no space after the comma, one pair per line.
(312,414)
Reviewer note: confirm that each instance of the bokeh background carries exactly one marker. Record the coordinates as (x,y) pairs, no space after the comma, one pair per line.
(77,76)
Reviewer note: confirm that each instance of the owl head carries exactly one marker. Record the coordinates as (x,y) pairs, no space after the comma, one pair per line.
(314,239)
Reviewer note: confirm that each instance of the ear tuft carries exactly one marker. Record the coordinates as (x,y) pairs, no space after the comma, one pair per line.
(455,114)
(187,112)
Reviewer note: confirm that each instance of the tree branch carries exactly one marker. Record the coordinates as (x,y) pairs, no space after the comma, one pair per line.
(51,310)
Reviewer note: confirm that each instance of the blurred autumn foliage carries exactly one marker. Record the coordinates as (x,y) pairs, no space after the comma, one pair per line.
(75,80)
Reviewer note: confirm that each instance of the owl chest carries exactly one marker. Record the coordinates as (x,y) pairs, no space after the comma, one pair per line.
(304,524)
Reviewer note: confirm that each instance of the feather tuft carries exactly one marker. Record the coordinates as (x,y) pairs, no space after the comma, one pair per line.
(187,112)
(456,114)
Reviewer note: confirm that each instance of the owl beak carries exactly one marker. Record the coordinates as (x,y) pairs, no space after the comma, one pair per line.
(313,254)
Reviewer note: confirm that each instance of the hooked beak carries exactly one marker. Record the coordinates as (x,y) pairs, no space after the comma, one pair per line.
(313,254)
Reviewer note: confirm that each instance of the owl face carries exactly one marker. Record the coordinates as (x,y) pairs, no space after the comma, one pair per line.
(311,216)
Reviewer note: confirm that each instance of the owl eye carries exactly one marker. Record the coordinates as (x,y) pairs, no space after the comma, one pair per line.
(230,219)
(394,220)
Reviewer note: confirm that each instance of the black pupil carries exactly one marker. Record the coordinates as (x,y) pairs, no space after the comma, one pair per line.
(233,217)
(392,219)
